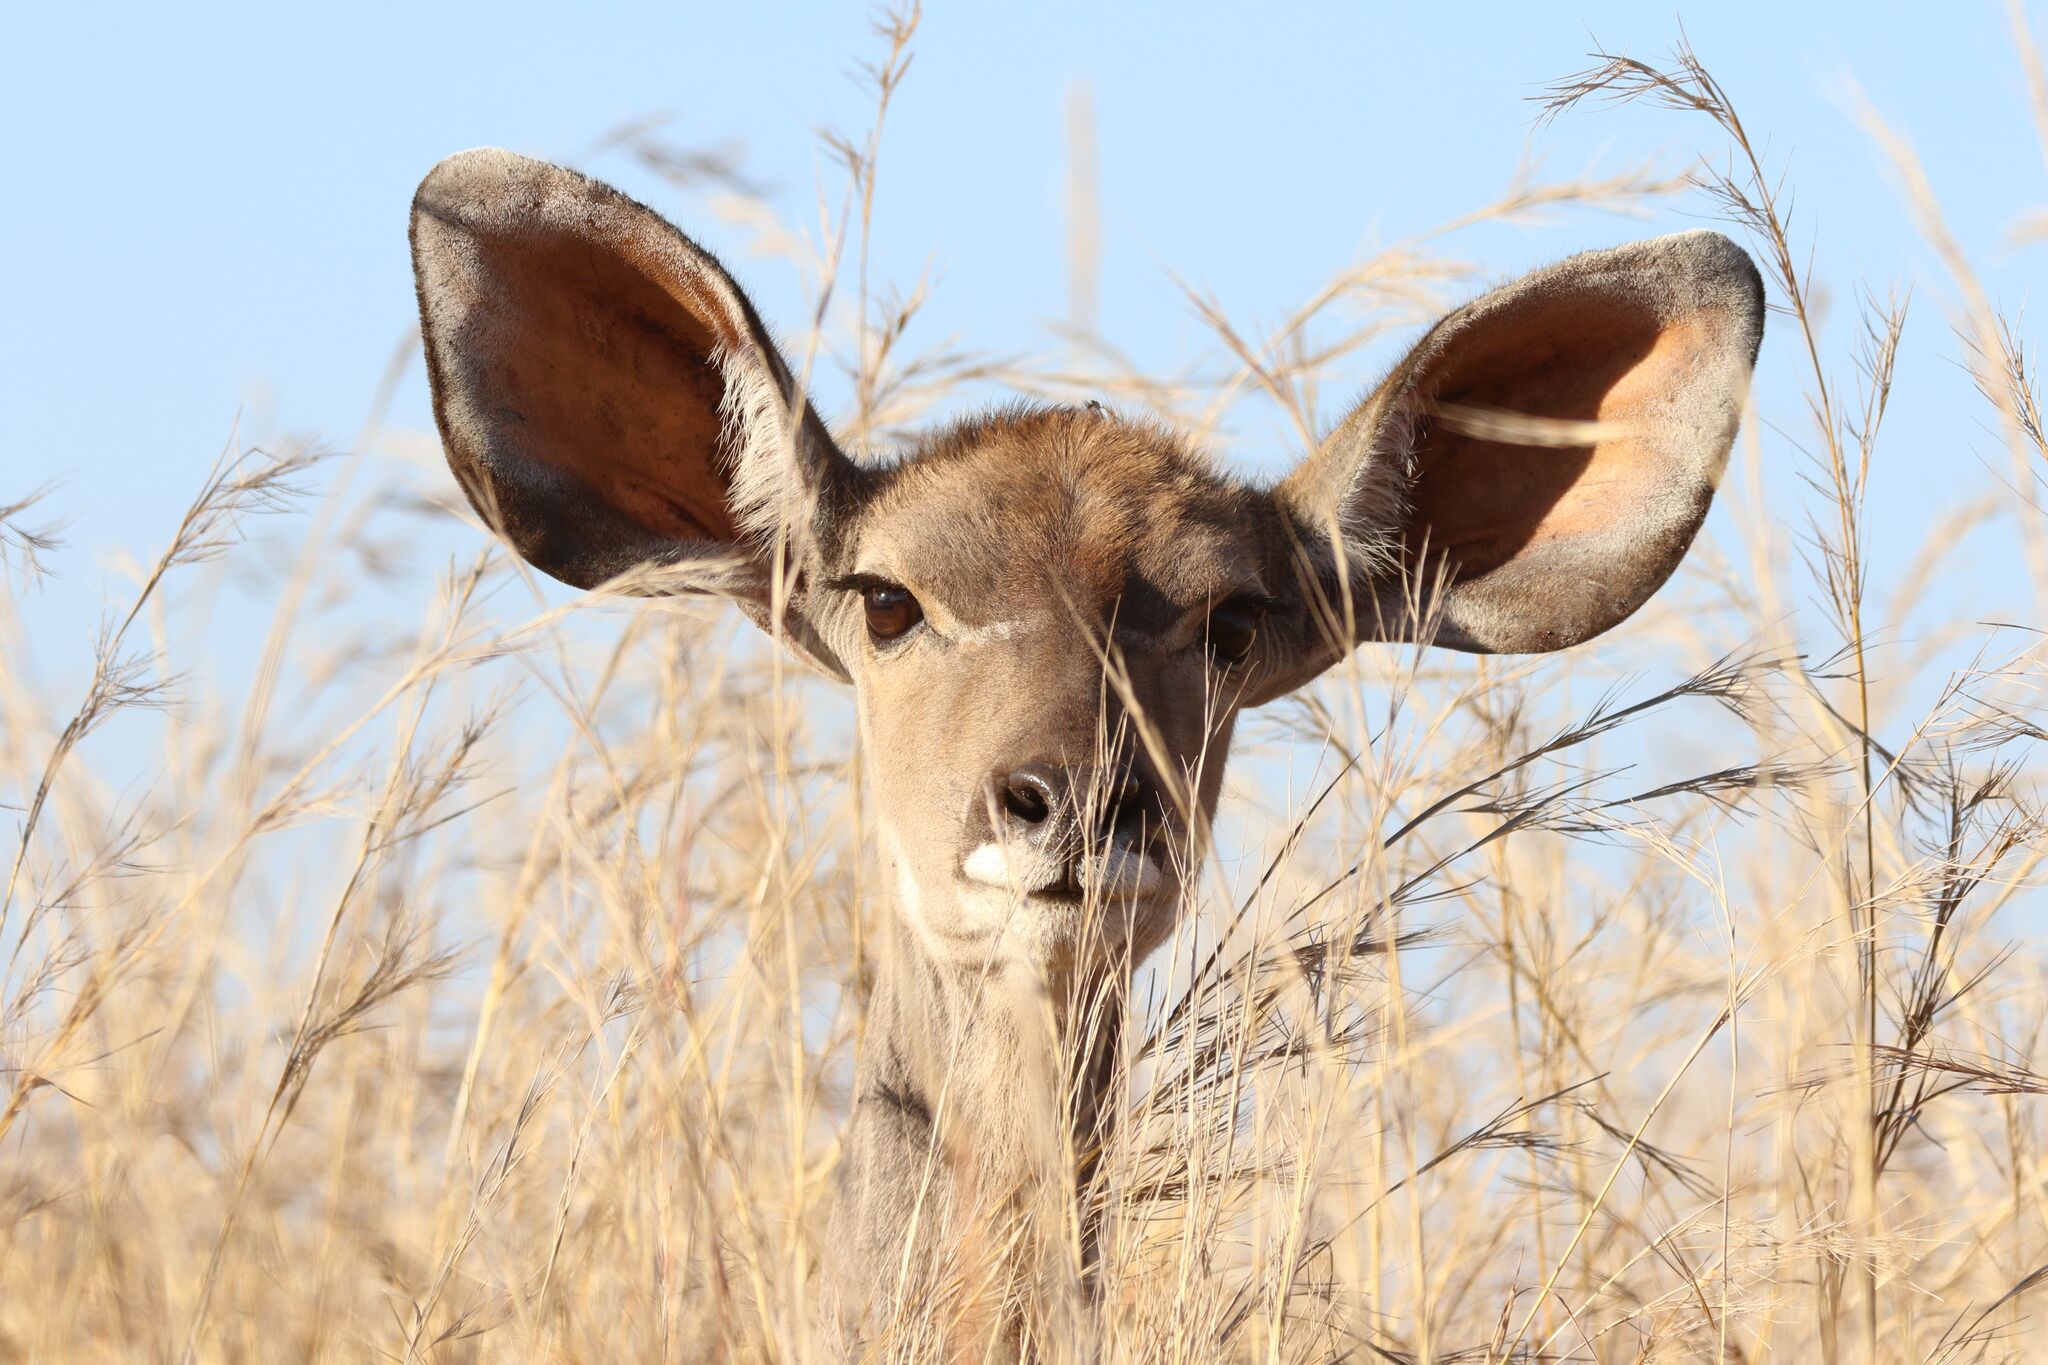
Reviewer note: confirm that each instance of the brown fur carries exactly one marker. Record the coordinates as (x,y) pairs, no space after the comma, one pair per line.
(1525,479)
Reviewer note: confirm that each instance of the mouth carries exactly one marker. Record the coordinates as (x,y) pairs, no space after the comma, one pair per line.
(1068,890)
(1113,873)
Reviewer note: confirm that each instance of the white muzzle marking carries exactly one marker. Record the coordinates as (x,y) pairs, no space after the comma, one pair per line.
(1024,871)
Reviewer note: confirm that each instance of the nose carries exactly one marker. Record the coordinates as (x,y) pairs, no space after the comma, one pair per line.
(1040,801)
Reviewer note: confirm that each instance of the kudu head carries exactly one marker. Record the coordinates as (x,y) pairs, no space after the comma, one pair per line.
(1050,617)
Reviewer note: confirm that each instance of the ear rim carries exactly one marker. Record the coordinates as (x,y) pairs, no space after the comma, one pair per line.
(469,196)
(1356,484)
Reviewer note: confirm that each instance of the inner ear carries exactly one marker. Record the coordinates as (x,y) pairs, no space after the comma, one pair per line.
(609,399)
(1498,462)
(1536,466)
(605,367)
(606,395)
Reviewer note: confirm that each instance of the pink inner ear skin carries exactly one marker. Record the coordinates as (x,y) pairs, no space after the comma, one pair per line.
(1484,501)
(632,409)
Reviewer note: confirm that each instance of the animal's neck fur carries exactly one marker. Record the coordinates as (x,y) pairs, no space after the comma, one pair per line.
(978,1101)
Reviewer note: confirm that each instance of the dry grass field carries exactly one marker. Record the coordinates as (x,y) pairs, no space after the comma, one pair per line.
(483,983)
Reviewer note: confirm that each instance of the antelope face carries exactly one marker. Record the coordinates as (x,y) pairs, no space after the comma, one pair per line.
(1050,618)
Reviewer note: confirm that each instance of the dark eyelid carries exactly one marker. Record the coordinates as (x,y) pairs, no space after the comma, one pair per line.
(1248,600)
(862,582)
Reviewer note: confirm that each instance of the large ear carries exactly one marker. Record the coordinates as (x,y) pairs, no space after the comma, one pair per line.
(1537,466)
(606,394)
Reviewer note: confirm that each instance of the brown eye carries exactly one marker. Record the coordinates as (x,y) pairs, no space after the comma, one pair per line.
(891,610)
(1232,629)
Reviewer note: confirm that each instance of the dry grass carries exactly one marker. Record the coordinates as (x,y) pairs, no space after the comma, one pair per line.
(491,993)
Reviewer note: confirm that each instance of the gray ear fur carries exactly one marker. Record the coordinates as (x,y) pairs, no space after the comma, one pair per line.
(606,395)
(1537,466)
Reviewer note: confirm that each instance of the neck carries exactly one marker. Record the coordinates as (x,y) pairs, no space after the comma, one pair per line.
(978,1106)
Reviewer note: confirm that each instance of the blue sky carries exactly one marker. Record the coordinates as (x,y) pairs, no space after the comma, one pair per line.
(210,203)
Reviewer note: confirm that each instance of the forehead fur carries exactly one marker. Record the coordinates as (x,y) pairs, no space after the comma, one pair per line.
(1022,505)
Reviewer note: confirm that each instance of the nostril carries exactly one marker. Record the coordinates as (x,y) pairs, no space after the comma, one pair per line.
(1026,802)
(1029,794)
(1125,807)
